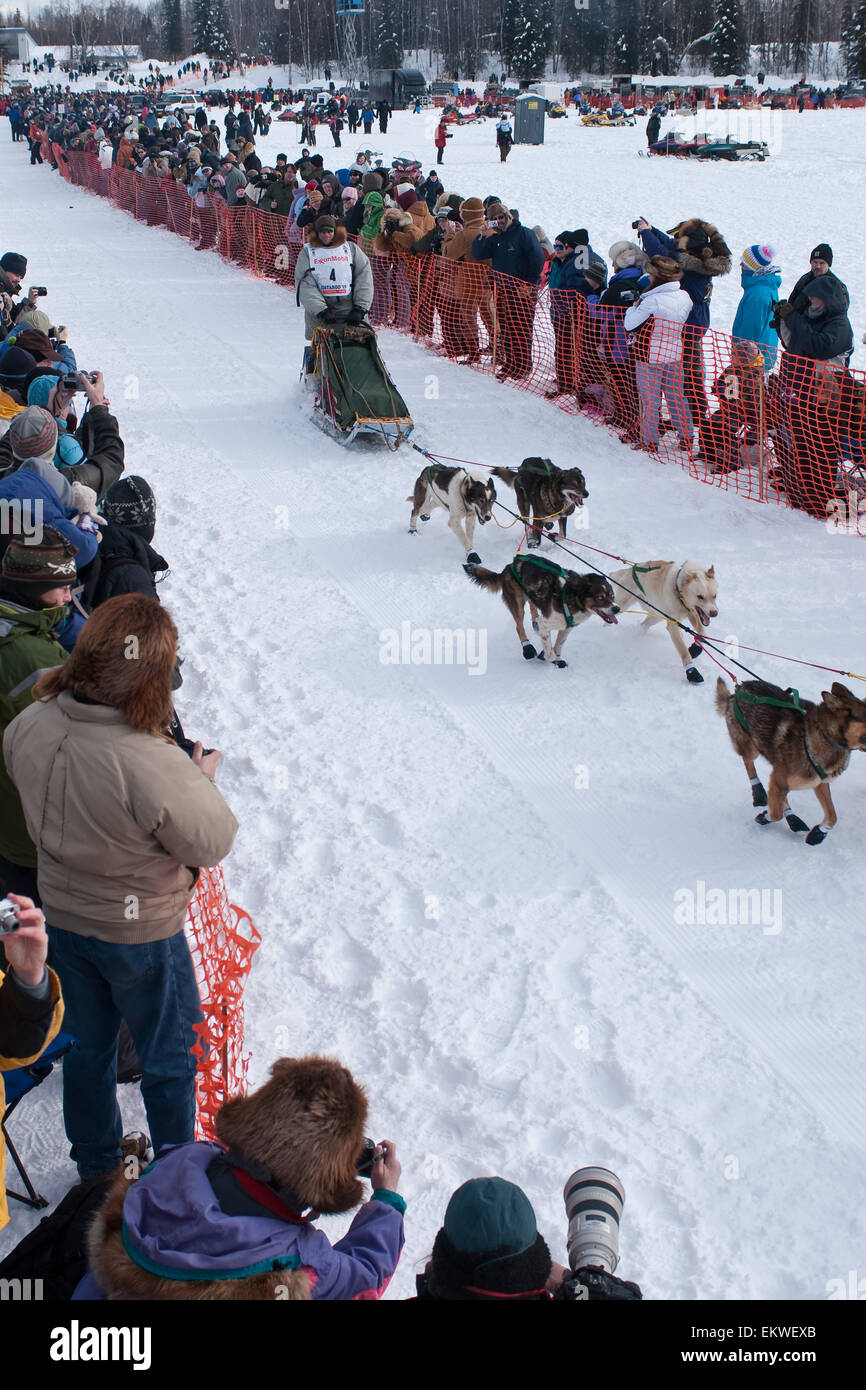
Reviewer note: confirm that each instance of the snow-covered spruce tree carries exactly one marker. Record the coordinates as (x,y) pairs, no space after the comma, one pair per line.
(729,38)
(526,26)
(221,44)
(854,41)
(805,17)
(201,26)
(389,48)
(172,28)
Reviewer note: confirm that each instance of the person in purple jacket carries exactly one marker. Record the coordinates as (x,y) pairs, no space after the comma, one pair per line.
(236,1219)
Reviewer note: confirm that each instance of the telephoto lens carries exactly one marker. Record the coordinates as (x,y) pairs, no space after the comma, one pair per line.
(594,1199)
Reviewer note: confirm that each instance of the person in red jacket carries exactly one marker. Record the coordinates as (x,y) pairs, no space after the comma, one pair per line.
(442,134)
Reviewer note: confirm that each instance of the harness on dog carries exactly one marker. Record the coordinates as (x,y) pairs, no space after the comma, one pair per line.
(561,575)
(643,569)
(546,471)
(793,704)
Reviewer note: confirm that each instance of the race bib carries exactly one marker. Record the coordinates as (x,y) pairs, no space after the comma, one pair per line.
(332,269)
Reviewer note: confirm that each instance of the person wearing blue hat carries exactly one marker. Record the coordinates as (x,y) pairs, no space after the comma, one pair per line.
(489,1248)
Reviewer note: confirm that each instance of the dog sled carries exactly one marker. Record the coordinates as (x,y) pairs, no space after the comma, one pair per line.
(353,393)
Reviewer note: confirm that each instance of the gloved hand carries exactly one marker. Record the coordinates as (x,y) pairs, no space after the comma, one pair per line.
(327,316)
(355,315)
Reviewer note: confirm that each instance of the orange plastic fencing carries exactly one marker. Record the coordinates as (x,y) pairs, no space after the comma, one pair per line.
(222,941)
(794,435)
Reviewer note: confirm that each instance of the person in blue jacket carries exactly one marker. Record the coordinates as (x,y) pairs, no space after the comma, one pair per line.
(575,270)
(761,282)
(515,253)
(235,1219)
(41,491)
(630,263)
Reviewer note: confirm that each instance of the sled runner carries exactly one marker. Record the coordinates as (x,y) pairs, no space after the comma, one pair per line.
(353,393)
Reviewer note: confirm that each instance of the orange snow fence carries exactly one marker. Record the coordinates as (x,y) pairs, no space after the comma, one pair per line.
(784,429)
(222,941)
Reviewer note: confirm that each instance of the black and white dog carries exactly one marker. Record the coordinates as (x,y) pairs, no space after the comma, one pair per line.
(466,498)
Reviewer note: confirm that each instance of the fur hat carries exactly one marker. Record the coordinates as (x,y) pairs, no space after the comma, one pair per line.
(325,223)
(15,262)
(305,1128)
(703,250)
(372,182)
(626,253)
(496,210)
(33,434)
(665,270)
(822,252)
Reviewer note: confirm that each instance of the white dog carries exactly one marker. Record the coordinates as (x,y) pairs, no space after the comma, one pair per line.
(685,593)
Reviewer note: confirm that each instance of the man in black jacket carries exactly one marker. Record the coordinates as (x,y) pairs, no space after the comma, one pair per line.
(821,330)
(820,262)
(126,562)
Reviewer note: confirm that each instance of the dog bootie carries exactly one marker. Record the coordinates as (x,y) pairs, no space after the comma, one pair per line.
(763,818)
(794,823)
(759,792)
(817,834)
(693,676)
(695,650)
(529,652)
(473,558)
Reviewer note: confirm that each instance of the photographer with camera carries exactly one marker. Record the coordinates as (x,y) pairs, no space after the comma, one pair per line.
(235,1219)
(13,268)
(98,459)
(118,814)
(31,1005)
(489,1248)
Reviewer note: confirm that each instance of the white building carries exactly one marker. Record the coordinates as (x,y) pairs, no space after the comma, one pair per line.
(18,45)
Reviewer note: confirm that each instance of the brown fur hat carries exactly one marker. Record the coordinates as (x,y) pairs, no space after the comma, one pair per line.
(664,269)
(125,657)
(306,1127)
(447,200)
(626,253)
(315,240)
(703,249)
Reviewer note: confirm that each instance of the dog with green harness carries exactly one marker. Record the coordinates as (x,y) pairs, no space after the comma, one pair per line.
(806,745)
(685,593)
(559,600)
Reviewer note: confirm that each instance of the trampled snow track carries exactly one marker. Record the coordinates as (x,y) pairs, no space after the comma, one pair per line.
(404,784)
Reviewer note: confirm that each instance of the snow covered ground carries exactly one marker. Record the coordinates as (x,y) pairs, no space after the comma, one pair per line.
(466,883)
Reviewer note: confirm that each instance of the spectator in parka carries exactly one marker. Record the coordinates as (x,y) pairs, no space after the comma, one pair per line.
(820,262)
(31,1007)
(575,269)
(440,138)
(665,308)
(515,253)
(822,330)
(126,562)
(13,268)
(333,278)
(91,755)
(36,582)
(754,320)
(235,180)
(431,189)
(703,254)
(234,1220)
(629,262)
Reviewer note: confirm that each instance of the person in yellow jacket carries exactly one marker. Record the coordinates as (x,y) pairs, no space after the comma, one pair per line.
(31,1005)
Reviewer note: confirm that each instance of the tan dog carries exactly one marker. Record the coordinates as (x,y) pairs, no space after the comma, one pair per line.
(807,745)
(686,593)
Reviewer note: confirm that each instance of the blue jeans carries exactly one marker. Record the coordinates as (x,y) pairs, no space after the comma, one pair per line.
(651,379)
(153,987)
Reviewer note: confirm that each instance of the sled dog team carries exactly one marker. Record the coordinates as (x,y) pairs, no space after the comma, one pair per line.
(807,745)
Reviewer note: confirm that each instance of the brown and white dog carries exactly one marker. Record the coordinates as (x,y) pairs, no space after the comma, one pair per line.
(686,593)
(464,496)
(558,600)
(544,491)
(807,745)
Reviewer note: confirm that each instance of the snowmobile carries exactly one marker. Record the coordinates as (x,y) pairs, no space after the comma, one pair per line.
(406,166)
(604,118)
(353,393)
(708,147)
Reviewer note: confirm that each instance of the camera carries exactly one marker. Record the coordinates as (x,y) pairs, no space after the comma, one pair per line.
(40,290)
(635,225)
(367,1158)
(74,381)
(188,746)
(8,917)
(594,1199)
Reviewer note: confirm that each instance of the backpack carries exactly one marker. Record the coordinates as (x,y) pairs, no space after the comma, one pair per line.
(55,1251)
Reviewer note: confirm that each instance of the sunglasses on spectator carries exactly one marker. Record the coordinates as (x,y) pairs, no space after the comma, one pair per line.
(559,246)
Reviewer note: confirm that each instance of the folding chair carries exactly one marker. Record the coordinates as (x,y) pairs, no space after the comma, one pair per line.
(20,1083)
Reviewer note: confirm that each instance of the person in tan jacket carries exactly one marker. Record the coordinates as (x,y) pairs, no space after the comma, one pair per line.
(402,228)
(471,286)
(121,819)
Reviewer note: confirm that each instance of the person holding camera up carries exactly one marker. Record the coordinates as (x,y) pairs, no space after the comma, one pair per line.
(13,268)
(94,454)
(31,1004)
(121,819)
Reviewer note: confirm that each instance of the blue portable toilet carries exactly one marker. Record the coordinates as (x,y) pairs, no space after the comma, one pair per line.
(529,112)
